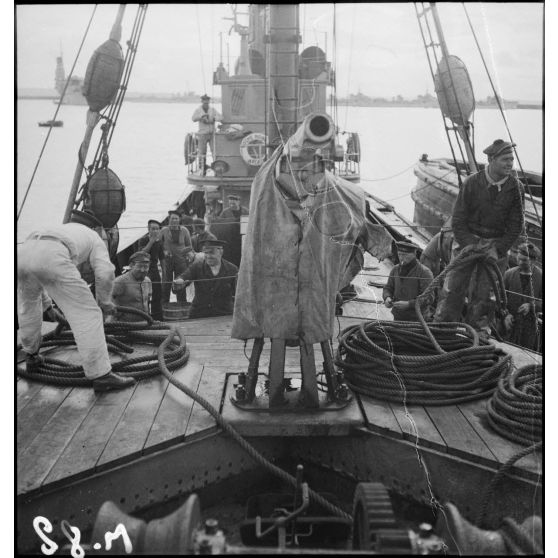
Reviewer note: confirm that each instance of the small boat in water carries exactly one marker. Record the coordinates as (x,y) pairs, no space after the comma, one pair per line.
(365,467)
(51,124)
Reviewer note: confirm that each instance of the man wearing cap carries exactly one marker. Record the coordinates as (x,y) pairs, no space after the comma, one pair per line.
(214,282)
(133,289)
(153,246)
(200,234)
(235,210)
(437,254)
(206,117)
(177,247)
(406,281)
(488,214)
(524,292)
(47,261)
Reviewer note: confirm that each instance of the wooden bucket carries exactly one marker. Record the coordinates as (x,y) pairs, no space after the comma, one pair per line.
(175,311)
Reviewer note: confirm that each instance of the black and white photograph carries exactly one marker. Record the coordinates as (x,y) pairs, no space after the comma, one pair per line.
(279,278)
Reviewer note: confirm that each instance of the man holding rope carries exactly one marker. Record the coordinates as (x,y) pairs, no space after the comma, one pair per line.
(47,261)
(487,216)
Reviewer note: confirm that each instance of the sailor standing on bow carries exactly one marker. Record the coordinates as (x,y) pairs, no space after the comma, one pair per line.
(206,117)
(488,214)
(47,261)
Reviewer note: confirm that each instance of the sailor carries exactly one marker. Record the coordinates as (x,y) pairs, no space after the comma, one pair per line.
(133,289)
(524,292)
(437,254)
(406,281)
(153,246)
(235,210)
(214,282)
(200,235)
(48,260)
(177,247)
(488,214)
(206,117)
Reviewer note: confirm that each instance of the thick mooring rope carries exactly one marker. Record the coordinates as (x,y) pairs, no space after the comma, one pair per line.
(118,335)
(425,364)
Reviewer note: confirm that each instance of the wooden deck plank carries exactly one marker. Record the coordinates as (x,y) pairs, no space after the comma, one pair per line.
(81,454)
(417,417)
(379,416)
(459,435)
(174,413)
(211,387)
(26,391)
(129,436)
(36,461)
(502,448)
(37,412)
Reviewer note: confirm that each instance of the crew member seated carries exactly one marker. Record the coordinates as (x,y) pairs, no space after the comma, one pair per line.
(406,281)
(133,289)
(214,282)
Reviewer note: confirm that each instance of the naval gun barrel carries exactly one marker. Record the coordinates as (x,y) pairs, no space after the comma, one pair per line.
(315,133)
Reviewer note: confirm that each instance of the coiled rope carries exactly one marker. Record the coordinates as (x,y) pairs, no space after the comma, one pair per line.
(172,353)
(425,364)
(118,334)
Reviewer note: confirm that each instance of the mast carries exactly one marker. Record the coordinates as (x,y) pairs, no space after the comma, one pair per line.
(462,126)
(282,72)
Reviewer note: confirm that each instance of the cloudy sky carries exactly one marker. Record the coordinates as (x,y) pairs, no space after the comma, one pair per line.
(378,49)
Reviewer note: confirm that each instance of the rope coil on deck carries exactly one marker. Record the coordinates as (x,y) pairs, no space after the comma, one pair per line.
(515,410)
(118,334)
(425,364)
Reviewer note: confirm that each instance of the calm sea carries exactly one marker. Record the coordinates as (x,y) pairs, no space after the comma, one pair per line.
(147,153)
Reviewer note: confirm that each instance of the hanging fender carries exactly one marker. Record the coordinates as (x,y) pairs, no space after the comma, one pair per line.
(190,148)
(353,147)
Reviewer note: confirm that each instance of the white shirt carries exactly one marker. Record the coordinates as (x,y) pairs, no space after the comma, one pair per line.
(206,128)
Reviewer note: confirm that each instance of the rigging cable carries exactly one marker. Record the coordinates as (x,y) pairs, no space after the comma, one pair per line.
(350,64)
(57,109)
(200,43)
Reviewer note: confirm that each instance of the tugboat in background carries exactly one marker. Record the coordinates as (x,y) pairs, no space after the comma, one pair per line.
(51,124)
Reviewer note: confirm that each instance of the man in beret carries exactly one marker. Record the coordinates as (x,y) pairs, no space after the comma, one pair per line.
(214,282)
(153,246)
(206,117)
(133,289)
(235,210)
(488,214)
(406,281)
(48,261)
(524,288)
(177,247)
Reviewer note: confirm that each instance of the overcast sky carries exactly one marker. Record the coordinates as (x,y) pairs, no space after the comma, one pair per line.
(379,49)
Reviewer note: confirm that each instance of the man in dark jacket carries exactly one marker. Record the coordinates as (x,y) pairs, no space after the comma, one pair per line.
(488,214)
(154,247)
(524,290)
(406,281)
(214,282)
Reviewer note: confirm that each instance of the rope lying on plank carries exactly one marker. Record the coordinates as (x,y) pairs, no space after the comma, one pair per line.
(117,334)
(515,410)
(425,364)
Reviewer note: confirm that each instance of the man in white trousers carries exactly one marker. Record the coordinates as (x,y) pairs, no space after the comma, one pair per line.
(47,261)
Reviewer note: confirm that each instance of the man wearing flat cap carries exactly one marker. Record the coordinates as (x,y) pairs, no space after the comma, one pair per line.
(48,261)
(488,214)
(524,289)
(235,210)
(214,282)
(206,117)
(133,289)
(406,281)
(153,245)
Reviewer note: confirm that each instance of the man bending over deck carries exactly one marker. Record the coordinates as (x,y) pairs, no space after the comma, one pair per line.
(488,214)
(47,261)
(214,282)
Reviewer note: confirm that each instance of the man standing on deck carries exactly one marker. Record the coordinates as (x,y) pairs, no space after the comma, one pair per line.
(153,246)
(200,235)
(177,247)
(524,292)
(406,281)
(206,117)
(235,210)
(488,214)
(133,289)
(214,282)
(47,261)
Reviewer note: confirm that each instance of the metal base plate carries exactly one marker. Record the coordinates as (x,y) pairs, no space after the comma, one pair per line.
(257,419)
